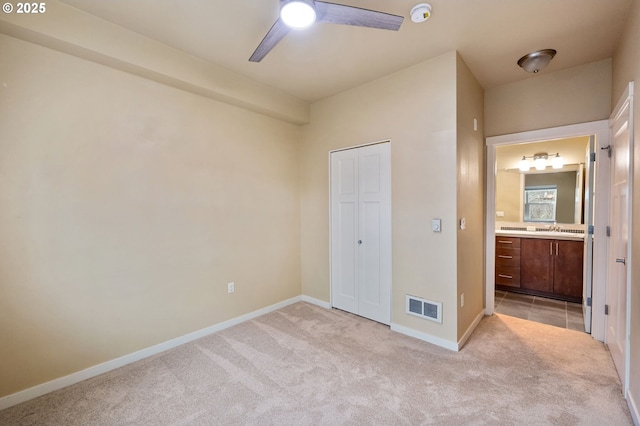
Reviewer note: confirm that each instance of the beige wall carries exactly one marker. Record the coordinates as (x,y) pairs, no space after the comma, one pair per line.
(626,67)
(470,196)
(575,95)
(416,109)
(127,206)
(508,195)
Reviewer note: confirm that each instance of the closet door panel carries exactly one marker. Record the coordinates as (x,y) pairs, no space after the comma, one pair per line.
(344,230)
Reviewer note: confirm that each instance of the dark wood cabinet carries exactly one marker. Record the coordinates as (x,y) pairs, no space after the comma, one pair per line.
(552,266)
(544,267)
(508,261)
(536,265)
(568,268)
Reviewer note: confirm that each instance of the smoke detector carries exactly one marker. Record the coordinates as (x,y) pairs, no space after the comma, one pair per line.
(420,12)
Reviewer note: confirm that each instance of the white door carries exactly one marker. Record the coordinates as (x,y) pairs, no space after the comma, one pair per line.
(589,187)
(361,231)
(616,336)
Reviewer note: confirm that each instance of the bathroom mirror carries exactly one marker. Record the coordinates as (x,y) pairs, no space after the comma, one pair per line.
(511,183)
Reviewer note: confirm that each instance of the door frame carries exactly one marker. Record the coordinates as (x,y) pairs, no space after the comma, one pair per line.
(601,210)
(588,195)
(382,141)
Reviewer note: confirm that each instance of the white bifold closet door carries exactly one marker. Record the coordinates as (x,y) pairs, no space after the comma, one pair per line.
(361,231)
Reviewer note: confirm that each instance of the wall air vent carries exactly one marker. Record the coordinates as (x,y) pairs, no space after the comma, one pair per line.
(424,308)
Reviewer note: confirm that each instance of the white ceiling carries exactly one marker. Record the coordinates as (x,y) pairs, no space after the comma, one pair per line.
(491,35)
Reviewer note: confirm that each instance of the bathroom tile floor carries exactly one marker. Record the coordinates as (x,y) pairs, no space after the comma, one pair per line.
(540,309)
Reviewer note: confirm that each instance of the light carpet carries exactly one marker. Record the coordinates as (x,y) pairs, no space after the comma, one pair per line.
(306,365)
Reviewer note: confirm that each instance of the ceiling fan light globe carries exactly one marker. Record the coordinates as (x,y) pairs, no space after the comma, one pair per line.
(298,14)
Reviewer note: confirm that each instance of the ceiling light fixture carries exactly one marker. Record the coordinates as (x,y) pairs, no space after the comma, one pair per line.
(557,162)
(420,12)
(298,14)
(536,61)
(540,161)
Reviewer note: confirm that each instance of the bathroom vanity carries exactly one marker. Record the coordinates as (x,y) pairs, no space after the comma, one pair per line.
(546,263)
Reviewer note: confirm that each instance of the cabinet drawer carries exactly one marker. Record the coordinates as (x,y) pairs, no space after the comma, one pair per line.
(508,257)
(507,276)
(512,242)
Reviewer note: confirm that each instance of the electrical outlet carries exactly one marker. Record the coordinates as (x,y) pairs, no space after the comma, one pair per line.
(231,287)
(462,300)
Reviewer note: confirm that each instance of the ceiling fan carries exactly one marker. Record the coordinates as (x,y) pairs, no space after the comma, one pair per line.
(299,14)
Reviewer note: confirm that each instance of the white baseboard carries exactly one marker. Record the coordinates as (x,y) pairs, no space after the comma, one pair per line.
(447,344)
(62,382)
(633,407)
(470,330)
(316,302)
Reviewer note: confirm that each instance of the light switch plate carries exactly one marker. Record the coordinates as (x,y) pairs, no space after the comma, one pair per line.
(436,225)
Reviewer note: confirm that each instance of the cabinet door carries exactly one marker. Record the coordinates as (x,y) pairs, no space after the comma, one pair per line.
(567,271)
(536,264)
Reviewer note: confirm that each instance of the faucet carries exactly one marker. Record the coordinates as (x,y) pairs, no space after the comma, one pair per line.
(554,228)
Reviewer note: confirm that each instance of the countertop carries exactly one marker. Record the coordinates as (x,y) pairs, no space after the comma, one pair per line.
(548,235)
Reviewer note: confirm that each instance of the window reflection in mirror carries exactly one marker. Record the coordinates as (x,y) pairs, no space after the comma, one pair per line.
(540,203)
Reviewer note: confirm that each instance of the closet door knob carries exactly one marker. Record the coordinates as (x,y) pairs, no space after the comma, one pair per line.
(359,241)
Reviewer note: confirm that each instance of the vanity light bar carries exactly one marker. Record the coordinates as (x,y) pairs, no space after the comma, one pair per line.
(540,161)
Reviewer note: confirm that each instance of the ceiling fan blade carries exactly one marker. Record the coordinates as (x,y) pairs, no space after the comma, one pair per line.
(350,15)
(275,34)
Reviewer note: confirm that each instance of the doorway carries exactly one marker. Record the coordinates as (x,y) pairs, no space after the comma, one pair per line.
(600,131)
(361,231)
